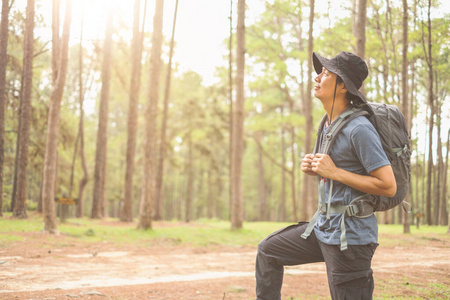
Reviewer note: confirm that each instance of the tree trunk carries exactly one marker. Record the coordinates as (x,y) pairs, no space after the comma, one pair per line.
(190,177)
(308,181)
(431,120)
(424,167)
(16,163)
(360,32)
(294,158)
(406,100)
(354,12)
(210,189)
(282,207)
(304,205)
(83,181)
(126,214)
(3,64)
(162,146)
(262,194)
(51,144)
(148,178)
(439,167)
(230,96)
(20,207)
(237,202)
(443,217)
(99,194)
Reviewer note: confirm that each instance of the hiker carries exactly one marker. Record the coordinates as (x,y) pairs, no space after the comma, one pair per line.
(357,166)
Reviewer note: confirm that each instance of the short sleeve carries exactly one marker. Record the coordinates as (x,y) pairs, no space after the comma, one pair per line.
(367,147)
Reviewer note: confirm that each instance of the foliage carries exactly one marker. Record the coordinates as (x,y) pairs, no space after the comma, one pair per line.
(276,80)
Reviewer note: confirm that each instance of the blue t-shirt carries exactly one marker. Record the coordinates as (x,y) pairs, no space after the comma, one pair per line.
(357,149)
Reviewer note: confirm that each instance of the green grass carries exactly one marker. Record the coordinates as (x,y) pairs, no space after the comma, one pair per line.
(402,289)
(199,233)
(196,234)
(399,289)
(392,235)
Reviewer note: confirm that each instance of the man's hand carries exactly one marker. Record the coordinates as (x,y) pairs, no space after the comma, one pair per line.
(323,165)
(306,166)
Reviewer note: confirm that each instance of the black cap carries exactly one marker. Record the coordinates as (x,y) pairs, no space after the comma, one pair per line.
(350,67)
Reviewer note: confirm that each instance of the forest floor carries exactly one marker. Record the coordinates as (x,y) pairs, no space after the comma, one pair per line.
(61,267)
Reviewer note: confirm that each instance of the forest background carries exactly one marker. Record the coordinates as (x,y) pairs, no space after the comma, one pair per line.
(103,114)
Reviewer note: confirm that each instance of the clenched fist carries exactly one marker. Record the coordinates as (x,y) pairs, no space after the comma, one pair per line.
(306,165)
(318,164)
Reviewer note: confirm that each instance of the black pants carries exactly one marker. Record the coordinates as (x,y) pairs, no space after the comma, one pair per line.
(349,272)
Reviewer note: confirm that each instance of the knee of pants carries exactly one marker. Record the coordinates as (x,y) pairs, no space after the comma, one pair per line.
(356,279)
(262,247)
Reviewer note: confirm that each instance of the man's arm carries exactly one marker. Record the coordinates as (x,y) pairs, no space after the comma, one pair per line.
(380,181)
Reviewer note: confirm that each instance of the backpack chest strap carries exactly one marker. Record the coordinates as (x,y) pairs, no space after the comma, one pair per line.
(359,208)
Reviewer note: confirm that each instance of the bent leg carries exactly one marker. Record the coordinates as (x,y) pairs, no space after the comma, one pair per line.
(349,272)
(282,248)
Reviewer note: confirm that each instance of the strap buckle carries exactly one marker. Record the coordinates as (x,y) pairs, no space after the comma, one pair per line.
(352,210)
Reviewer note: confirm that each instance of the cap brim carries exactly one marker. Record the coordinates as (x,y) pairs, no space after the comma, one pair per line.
(320,61)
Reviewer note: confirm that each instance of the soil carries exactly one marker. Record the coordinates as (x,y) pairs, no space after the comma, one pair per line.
(59,267)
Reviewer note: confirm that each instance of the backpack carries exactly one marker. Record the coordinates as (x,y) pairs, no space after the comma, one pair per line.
(390,124)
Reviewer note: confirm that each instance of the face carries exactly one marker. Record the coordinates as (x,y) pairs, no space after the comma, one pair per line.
(325,84)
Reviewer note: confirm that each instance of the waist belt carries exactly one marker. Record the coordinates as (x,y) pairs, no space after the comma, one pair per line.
(358,207)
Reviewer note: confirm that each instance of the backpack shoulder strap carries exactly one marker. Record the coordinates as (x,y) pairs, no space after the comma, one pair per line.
(319,134)
(336,127)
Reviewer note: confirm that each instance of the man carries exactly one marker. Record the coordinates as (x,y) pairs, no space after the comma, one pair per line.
(357,165)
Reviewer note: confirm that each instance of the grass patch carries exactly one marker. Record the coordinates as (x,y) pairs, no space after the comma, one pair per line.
(403,289)
(200,233)
(393,236)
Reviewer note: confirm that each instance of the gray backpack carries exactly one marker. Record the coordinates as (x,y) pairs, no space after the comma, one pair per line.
(390,124)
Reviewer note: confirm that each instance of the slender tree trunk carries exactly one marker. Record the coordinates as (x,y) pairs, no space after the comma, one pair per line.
(3,64)
(424,167)
(405,100)
(162,146)
(190,178)
(210,189)
(359,32)
(308,181)
(148,184)
(83,181)
(415,203)
(137,44)
(230,96)
(431,120)
(39,204)
(294,158)
(262,194)
(443,214)
(282,208)
(16,163)
(439,167)
(65,207)
(99,193)
(51,145)
(304,205)
(20,207)
(354,13)
(237,202)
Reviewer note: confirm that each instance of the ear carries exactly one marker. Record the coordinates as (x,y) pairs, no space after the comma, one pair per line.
(343,89)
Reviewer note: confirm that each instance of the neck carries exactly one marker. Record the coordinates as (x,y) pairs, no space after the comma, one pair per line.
(340,105)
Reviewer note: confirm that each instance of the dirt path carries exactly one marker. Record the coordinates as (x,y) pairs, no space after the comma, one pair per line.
(188,273)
